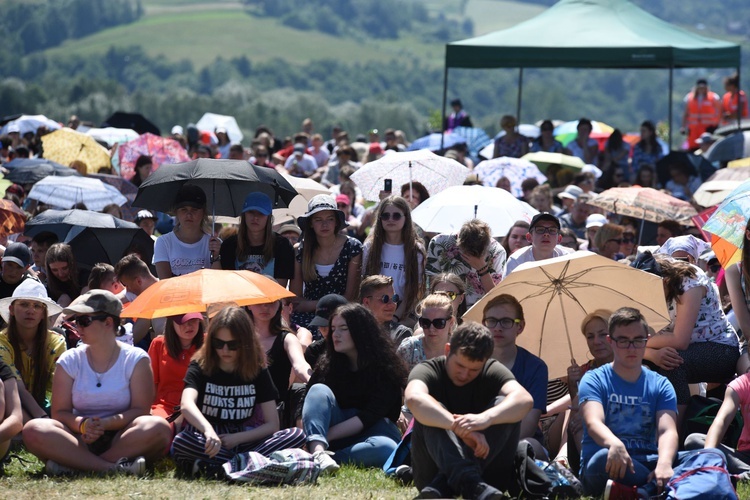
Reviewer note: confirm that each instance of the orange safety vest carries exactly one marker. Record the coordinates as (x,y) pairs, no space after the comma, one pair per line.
(702,113)
(729,104)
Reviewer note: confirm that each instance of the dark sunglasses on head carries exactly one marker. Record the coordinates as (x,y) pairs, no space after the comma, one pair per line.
(387,298)
(438,323)
(85,321)
(396,216)
(219,344)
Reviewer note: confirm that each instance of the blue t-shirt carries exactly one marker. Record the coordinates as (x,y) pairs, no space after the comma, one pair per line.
(531,372)
(630,408)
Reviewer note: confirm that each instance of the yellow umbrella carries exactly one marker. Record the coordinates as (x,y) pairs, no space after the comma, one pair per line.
(66,146)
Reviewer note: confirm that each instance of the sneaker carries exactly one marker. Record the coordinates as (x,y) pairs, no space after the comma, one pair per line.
(326,463)
(438,488)
(618,491)
(210,470)
(404,475)
(136,467)
(52,468)
(482,491)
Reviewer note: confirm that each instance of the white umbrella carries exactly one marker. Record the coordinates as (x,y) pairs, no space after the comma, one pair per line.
(29,123)
(447,211)
(435,172)
(65,192)
(516,170)
(112,135)
(307,188)
(297,207)
(211,121)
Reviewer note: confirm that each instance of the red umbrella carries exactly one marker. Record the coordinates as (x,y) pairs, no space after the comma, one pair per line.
(161,150)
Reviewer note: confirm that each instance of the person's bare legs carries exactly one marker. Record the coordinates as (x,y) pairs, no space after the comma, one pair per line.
(48,439)
(146,436)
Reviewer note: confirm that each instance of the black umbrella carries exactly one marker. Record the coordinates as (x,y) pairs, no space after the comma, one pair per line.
(97,244)
(31,170)
(697,165)
(225,182)
(67,224)
(10,118)
(135,121)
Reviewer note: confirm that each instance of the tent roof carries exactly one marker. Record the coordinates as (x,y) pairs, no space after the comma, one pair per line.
(592,34)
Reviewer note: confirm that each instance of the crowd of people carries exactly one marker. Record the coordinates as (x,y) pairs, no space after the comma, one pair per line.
(372,347)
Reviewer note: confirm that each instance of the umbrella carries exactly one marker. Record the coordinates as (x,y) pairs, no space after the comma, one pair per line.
(732,127)
(433,141)
(161,149)
(289,214)
(556,294)
(96,244)
(66,192)
(307,188)
(571,127)
(135,121)
(66,146)
(644,203)
(434,172)
(196,292)
(30,123)
(12,218)
(713,192)
(447,211)
(742,162)
(32,170)
(544,160)
(225,182)
(127,188)
(476,139)
(727,225)
(697,164)
(515,169)
(67,224)
(112,135)
(731,147)
(212,121)
(700,220)
(528,130)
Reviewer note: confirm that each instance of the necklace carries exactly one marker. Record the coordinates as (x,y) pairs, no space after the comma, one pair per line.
(109,365)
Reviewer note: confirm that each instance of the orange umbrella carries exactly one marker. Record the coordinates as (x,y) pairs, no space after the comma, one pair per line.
(196,292)
(12,218)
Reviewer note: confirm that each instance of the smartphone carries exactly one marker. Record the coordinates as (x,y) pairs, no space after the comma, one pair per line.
(388,185)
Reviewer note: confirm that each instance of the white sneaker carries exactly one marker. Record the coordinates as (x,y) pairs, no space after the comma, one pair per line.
(136,467)
(327,464)
(52,468)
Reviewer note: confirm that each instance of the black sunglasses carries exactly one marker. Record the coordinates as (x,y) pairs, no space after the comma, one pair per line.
(219,344)
(396,216)
(85,321)
(438,323)
(715,268)
(387,298)
(628,239)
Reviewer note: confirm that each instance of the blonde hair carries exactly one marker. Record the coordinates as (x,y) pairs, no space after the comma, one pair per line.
(437,300)
(602,314)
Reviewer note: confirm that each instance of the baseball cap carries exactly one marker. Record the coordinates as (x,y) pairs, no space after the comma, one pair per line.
(299,149)
(544,216)
(17,253)
(143,215)
(259,202)
(181,319)
(190,195)
(177,130)
(595,220)
(95,301)
(326,305)
(342,198)
(571,192)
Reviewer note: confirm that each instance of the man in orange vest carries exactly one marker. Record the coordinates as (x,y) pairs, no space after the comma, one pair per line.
(702,113)
(732,100)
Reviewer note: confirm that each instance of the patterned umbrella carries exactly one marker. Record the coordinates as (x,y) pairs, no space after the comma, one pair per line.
(433,142)
(569,131)
(66,192)
(476,139)
(435,172)
(644,203)
(12,218)
(161,149)
(515,169)
(66,146)
(727,225)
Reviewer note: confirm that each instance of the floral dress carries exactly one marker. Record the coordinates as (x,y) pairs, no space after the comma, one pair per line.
(335,282)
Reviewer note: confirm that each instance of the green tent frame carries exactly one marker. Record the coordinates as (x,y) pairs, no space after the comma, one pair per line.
(591,34)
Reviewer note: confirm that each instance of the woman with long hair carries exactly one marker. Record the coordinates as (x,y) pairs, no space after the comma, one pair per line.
(229,400)
(394,249)
(327,261)
(190,246)
(437,321)
(454,287)
(62,274)
(616,153)
(647,151)
(256,247)
(28,347)
(354,396)
(516,237)
(143,166)
(546,140)
(737,277)
(170,356)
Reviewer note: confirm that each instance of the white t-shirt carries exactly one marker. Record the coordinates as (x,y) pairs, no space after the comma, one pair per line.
(114,394)
(525,254)
(392,264)
(183,258)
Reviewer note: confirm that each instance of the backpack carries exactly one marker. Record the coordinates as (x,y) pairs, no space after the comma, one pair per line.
(531,479)
(702,475)
(291,466)
(700,414)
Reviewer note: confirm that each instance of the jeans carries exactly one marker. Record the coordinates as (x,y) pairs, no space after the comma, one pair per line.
(370,448)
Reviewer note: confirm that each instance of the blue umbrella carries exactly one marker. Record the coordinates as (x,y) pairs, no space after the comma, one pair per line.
(476,139)
(31,170)
(432,142)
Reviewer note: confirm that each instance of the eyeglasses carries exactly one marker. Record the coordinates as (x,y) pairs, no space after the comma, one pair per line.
(552,231)
(396,216)
(219,344)
(85,321)
(451,295)
(624,343)
(386,298)
(438,323)
(505,323)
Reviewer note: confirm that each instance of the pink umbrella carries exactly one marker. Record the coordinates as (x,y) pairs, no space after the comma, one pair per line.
(161,149)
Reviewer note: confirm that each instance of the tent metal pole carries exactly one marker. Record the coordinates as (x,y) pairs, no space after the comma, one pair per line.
(671,85)
(445,102)
(520,93)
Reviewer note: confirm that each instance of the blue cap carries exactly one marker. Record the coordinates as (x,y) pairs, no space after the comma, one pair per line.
(259,202)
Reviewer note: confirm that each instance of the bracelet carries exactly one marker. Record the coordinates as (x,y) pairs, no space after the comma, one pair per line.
(82,426)
(212,260)
(483,268)
(485,272)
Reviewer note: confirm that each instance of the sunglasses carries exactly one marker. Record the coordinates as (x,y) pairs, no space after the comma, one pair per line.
(715,268)
(438,323)
(396,216)
(85,321)
(451,295)
(505,323)
(219,344)
(386,298)
(628,239)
